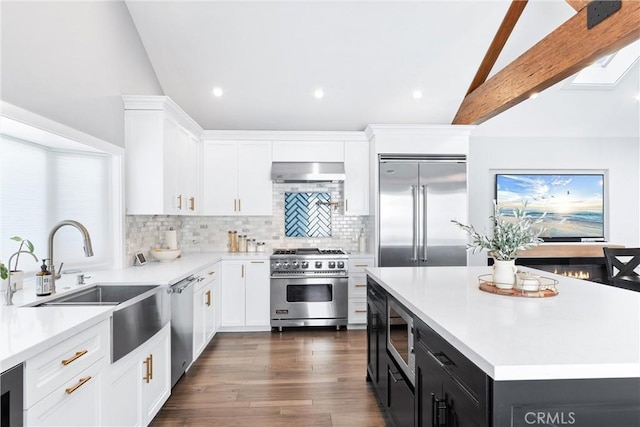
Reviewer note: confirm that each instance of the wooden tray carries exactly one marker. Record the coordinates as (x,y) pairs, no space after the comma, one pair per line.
(547,288)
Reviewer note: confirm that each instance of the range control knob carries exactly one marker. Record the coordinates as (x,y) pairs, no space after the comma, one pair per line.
(295,265)
(332,264)
(285,265)
(318,264)
(340,264)
(305,264)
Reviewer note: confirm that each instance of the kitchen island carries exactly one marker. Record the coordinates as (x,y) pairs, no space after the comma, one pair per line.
(569,359)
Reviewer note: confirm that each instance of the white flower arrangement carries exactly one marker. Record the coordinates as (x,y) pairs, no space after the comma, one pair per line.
(510,235)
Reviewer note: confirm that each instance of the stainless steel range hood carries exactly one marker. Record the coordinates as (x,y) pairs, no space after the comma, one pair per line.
(307,171)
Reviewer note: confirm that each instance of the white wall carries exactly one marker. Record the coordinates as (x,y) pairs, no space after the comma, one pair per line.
(72,61)
(618,157)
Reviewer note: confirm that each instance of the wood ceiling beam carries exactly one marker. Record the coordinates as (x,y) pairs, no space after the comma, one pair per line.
(564,52)
(498,42)
(578,5)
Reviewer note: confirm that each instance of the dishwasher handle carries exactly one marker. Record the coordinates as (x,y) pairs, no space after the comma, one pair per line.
(179,287)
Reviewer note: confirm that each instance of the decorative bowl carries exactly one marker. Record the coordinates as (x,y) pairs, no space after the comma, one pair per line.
(165,255)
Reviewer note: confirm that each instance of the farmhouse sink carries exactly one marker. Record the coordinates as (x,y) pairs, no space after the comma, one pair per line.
(100,295)
(139,312)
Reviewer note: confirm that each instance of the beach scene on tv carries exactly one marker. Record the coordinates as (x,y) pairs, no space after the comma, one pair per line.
(574,204)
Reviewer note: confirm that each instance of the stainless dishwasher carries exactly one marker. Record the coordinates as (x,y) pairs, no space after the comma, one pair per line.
(181,327)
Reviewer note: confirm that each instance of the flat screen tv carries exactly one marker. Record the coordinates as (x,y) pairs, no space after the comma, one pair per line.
(574,203)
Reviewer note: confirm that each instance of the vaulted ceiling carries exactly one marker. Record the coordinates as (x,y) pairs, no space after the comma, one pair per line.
(369,57)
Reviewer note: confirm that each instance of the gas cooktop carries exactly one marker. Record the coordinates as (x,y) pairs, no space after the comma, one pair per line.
(311,252)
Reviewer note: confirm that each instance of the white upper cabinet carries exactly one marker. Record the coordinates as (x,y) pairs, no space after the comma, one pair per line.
(308,151)
(236,178)
(161,155)
(356,182)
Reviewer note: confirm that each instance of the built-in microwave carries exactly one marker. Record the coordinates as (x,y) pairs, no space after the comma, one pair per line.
(400,339)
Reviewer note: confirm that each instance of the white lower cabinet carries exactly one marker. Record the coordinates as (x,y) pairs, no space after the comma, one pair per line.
(64,384)
(76,403)
(245,294)
(140,383)
(205,306)
(358,288)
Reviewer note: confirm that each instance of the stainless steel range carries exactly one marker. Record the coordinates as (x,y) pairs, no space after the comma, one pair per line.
(309,287)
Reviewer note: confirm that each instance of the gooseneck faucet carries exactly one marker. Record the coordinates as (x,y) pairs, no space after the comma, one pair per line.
(88,249)
(8,296)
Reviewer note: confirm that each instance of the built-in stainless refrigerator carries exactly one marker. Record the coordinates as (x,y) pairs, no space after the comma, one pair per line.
(419,196)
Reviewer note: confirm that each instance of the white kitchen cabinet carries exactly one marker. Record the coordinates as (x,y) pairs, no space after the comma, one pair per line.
(356,181)
(308,151)
(204,308)
(161,158)
(78,402)
(140,383)
(358,288)
(245,295)
(64,384)
(236,178)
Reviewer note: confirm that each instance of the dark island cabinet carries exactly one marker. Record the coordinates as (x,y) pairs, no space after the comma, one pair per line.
(377,340)
(450,390)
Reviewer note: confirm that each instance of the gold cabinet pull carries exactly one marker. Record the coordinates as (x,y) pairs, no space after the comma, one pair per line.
(180,202)
(200,279)
(346,204)
(235,205)
(242,274)
(81,382)
(362,265)
(192,204)
(257,262)
(239,208)
(361,311)
(147,363)
(208,293)
(150,366)
(78,354)
(211,273)
(362,285)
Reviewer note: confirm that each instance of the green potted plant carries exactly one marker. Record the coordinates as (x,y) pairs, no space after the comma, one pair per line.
(17,276)
(511,234)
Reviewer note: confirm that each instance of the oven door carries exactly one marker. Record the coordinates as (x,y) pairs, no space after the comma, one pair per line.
(309,298)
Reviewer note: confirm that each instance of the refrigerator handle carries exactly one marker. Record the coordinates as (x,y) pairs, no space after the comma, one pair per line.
(416,211)
(424,223)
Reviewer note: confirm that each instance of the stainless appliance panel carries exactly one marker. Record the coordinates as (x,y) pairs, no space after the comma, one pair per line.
(11,397)
(443,197)
(418,198)
(400,339)
(317,298)
(181,327)
(398,233)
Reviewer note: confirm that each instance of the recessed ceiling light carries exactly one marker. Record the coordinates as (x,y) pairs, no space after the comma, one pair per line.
(533,95)
(638,97)
(417,94)
(217,92)
(318,93)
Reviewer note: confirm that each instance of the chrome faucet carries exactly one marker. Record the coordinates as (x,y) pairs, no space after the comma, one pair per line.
(8,296)
(88,249)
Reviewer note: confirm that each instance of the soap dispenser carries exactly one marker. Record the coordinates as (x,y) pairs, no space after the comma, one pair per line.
(43,280)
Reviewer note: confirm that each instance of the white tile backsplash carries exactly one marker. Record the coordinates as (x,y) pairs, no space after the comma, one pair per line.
(210,233)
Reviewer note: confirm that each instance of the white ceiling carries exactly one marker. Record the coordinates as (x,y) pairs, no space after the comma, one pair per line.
(368,57)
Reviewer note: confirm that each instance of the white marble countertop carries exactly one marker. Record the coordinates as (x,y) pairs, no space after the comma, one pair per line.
(26,330)
(588,330)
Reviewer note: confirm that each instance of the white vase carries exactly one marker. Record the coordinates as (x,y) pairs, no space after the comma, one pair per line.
(17,278)
(504,273)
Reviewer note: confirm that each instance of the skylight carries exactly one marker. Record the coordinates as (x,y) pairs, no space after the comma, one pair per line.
(606,72)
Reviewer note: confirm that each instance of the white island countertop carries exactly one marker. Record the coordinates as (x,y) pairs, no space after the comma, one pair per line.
(588,330)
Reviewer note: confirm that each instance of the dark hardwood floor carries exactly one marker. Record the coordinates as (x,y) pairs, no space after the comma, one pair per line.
(300,377)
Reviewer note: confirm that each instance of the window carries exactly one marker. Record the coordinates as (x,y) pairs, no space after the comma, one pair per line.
(42,186)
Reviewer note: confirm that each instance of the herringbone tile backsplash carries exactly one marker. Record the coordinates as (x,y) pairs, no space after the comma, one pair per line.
(307,214)
(209,233)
